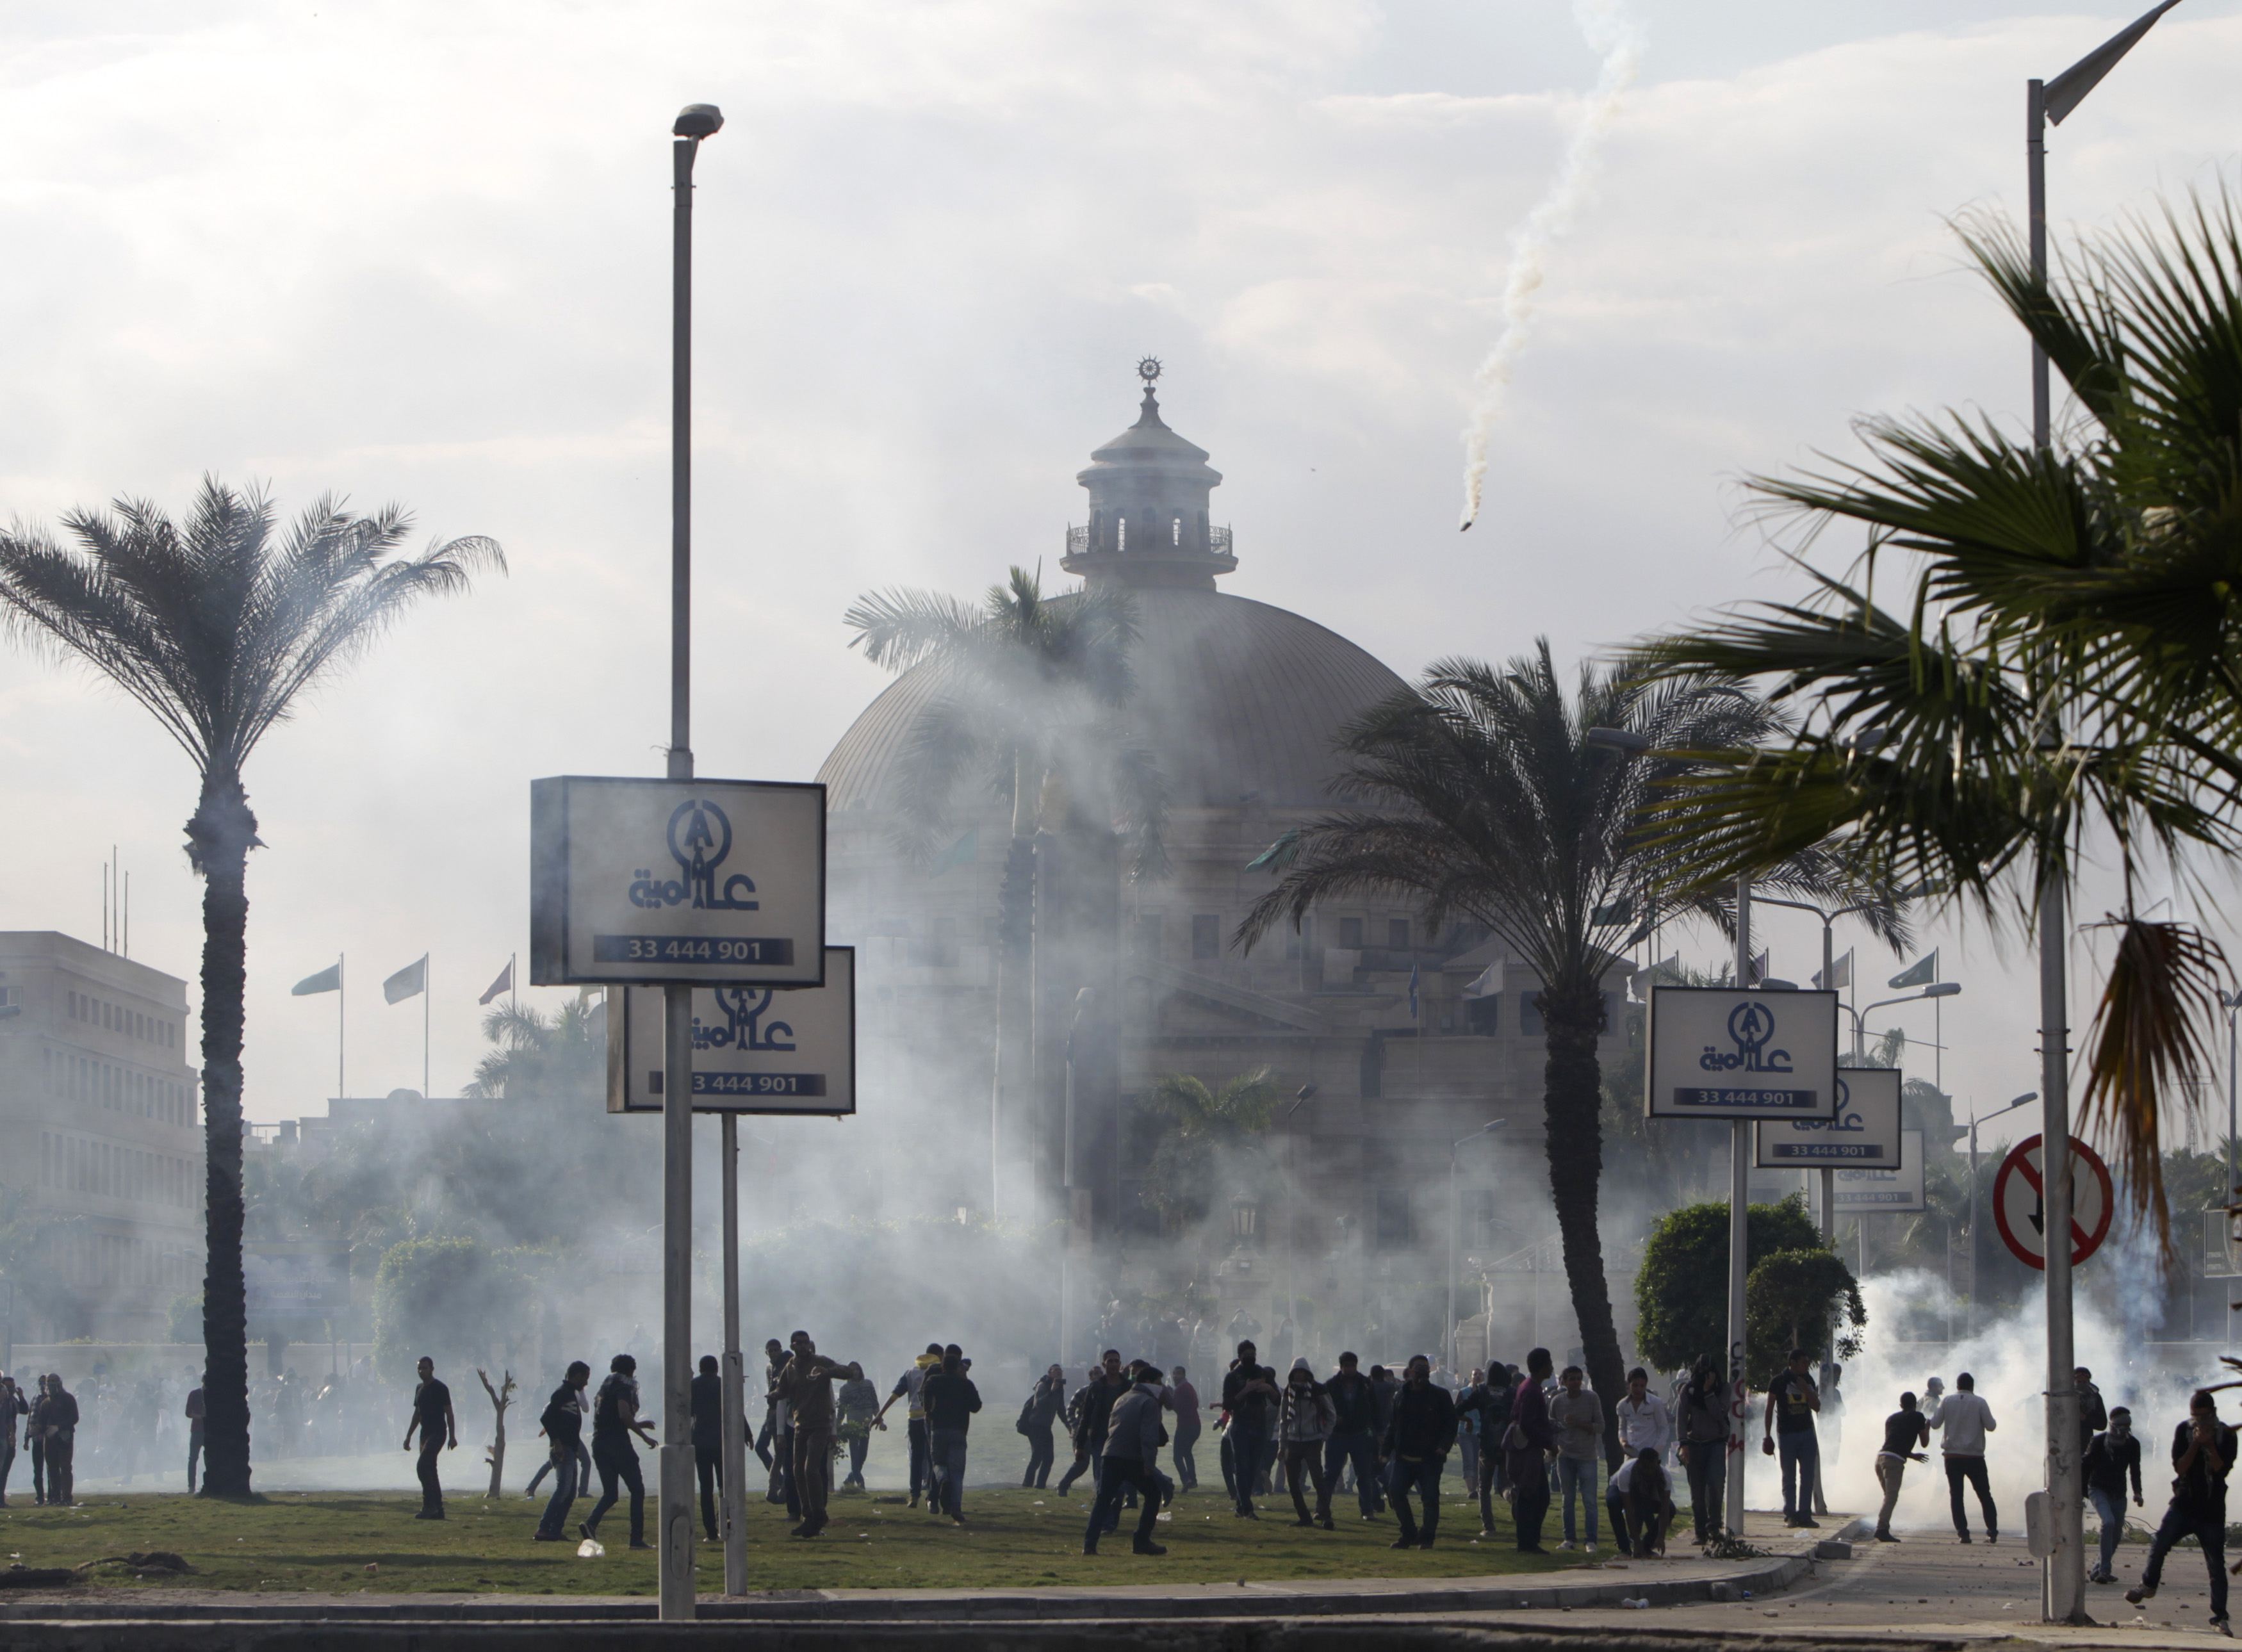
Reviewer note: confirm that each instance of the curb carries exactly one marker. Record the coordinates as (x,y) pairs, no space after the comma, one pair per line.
(1267,1600)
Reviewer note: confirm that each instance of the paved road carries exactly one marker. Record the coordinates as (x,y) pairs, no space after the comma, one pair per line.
(1927,1583)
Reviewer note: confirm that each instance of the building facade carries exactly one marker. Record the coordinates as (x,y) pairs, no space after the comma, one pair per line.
(1394,1048)
(103,1167)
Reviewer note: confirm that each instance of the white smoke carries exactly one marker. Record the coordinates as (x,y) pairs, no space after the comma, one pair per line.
(1618,39)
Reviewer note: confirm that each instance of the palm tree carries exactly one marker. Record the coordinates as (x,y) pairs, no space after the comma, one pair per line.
(1479,797)
(1210,1145)
(2064,659)
(215,625)
(1028,693)
(561,1056)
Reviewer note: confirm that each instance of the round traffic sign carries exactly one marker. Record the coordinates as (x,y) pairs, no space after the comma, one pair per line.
(2019,1213)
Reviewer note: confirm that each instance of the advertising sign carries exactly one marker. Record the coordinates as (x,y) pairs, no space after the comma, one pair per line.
(1721,1052)
(296,1278)
(713,883)
(1863,1192)
(1865,1131)
(755,1050)
(2020,1214)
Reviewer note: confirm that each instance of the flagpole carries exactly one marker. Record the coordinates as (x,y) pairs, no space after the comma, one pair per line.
(427,992)
(341,1015)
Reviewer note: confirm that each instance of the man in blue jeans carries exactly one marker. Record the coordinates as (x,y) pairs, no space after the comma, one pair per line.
(563,1423)
(1792,1400)
(2202,1456)
(1417,1439)
(1355,1433)
(2109,1456)
(1249,1398)
(1576,1413)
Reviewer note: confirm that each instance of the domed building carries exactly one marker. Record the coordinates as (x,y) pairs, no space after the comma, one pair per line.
(1128,979)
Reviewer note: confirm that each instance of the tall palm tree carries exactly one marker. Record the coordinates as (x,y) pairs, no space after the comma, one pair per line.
(1029,694)
(2063,661)
(215,625)
(1479,797)
(1210,1144)
(560,1057)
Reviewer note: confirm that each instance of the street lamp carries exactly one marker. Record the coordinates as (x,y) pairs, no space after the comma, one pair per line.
(1301,1096)
(1448,1343)
(1066,1337)
(2029,1097)
(695,123)
(2064,1598)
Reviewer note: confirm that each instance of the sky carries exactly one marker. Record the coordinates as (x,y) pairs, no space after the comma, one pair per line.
(419,254)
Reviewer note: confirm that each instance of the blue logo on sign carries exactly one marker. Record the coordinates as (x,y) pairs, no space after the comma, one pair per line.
(699,838)
(1848,1121)
(1751,1025)
(744,1009)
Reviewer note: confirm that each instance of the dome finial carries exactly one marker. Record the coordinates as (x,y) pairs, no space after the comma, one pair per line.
(1148,368)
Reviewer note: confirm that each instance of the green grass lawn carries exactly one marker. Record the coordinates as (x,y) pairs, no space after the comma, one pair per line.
(326,1541)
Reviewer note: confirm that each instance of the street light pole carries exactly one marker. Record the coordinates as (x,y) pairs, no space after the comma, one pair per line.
(2064,1598)
(1455,1219)
(1739,1139)
(693,123)
(1066,1178)
(2026,1099)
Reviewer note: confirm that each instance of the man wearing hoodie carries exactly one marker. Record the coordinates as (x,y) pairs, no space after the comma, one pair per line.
(1131,1447)
(2110,1458)
(1416,1445)
(1304,1426)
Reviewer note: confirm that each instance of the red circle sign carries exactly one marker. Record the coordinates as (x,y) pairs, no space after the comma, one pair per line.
(2017,1203)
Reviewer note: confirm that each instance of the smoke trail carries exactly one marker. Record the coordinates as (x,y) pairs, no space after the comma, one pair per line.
(1615,36)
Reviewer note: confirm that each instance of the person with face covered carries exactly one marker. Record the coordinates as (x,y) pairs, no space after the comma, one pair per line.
(2111,1457)
(1304,1426)
(806,1387)
(908,1388)
(1249,1404)
(2202,1451)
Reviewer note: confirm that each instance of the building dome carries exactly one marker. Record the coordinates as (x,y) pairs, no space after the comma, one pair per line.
(1239,700)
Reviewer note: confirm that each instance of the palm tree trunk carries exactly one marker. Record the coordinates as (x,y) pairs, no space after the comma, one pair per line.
(218,840)
(1572,1104)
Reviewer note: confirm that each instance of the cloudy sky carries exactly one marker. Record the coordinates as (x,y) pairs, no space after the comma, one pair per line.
(419,254)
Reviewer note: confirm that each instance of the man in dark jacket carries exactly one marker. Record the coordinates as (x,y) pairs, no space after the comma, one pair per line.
(1486,1406)
(1249,1399)
(708,1411)
(1099,1396)
(806,1385)
(563,1423)
(2110,1458)
(1416,1445)
(1527,1461)
(2202,1457)
(1355,1433)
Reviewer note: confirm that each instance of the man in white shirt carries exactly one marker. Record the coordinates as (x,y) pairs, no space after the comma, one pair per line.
(1964,1421)
(1645,1422)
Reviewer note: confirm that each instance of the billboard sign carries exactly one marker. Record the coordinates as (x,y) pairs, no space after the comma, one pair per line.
(1865,1131)
(1723,1053)
(756,1049)
(709,883)
(1863,1190)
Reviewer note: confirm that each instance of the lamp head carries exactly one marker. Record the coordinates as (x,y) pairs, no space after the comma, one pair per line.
(698,120)
(1626,741)
(1942,989)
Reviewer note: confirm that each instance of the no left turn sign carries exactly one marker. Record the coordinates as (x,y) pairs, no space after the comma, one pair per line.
(2020,1213)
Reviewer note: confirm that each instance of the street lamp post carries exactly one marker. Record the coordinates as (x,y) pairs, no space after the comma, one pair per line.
(695,123)
(1067,1240)
(2064,1599)
(2029,1097)
(1449,1343)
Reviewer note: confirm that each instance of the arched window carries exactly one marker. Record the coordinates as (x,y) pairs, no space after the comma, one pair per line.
(1120,532)
(1179,526)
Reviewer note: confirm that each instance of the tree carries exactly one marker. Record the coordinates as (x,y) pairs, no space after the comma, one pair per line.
(1803,1297)
(216,626)
(1479,794)
(560,1057)
(450,1299)
(2064,663)
(1028,692)
(1681,1294)
(1210,1148)
(501,1399)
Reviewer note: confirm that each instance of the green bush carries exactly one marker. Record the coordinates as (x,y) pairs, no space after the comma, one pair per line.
(1681,1294)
